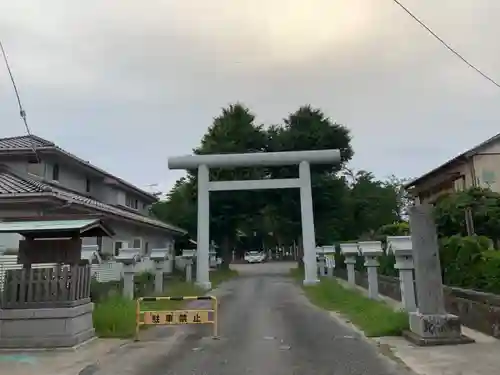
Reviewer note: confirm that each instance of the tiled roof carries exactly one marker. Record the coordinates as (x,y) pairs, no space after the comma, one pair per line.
(24,142)
(13,184)
(28,142)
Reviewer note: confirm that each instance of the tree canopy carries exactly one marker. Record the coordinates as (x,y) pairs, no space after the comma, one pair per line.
(347,205)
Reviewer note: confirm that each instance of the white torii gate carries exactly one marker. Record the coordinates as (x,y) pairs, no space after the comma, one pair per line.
(302,158)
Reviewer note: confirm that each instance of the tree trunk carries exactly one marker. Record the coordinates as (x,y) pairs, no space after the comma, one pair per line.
(226,250)
(300,253)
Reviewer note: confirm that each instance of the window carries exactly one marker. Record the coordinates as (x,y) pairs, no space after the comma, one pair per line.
(459,184)
(55,172)
(35,167)
(87,185)
(137,243)
(131,202)
(118,245)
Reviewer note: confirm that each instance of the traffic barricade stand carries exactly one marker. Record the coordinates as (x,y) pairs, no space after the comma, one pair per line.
(176,317)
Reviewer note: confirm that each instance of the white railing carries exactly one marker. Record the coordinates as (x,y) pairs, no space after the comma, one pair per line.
(9,262)
(103,272)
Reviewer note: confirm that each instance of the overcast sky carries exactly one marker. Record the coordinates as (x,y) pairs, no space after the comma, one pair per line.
(125,84)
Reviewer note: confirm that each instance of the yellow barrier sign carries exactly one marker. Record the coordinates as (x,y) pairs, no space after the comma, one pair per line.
(176,317)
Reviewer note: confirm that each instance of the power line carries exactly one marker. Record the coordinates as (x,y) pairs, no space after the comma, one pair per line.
(450,48)
(22,112)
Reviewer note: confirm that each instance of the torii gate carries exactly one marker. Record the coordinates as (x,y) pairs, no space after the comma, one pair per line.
(301,158)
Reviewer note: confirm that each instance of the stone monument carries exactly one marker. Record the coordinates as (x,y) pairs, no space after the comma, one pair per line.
(430,324)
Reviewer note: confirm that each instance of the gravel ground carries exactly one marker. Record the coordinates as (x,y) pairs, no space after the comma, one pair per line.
(267,327)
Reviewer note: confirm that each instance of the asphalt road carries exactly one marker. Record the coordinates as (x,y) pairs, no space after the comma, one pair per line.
(267,327)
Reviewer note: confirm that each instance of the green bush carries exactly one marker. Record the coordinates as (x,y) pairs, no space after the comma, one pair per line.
(114,317)
(101,291)
(396,229)
(387,262)
(143,284)
(491,272)
(470,262)
(466,262)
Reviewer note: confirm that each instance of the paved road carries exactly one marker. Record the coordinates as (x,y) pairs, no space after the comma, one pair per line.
(267,327)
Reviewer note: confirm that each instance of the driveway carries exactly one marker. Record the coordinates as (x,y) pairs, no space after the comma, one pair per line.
(267,327)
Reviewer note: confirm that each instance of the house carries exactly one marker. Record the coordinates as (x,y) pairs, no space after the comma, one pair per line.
(38,178)
(477,167)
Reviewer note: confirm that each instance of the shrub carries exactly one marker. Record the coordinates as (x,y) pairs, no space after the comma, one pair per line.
(143,284)
(100,291)
(470,262)
(387,262)
(114,317)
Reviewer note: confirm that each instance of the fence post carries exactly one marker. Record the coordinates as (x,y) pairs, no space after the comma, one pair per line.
(402,249)
(371,250)
(350,251)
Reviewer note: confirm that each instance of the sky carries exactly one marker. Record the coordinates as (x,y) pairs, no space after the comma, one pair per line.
(126,84)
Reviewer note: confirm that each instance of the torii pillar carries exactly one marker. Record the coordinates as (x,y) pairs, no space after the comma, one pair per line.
(261,159)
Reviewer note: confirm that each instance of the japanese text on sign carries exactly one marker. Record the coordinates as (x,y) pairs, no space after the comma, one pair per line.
(178,317)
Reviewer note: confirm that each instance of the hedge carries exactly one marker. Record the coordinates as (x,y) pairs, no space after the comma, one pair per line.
(470,262)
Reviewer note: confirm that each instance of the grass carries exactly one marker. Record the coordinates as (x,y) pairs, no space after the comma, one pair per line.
(221,275)
(374,318)
(114,317)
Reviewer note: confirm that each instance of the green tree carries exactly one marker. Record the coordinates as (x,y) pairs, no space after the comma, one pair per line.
(404,198)
(179,207)
(372,204)
(309,129)
(484,205)
(234,131)
(346,204)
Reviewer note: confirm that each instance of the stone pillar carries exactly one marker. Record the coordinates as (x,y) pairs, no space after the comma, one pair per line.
(405,267)
(202,254)
(350,250)
(329,254)
(402,249)
(371,264)
(189,270)
(159,277)
(430,324)
(128,281)
(330,272)
(371,250)
(307,216)
(350,263)
(322,266)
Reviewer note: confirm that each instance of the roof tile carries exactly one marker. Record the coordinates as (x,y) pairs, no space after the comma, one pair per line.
(24,142)
(10,183)
(29,142)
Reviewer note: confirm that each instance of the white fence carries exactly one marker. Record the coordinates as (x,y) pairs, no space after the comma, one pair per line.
(9,262)
(104,272)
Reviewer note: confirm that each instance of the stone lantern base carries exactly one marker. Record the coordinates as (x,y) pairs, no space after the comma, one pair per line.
(60,327)
(436,329)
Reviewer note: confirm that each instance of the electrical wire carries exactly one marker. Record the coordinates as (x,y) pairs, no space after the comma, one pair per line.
(450,48)
(22,112)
